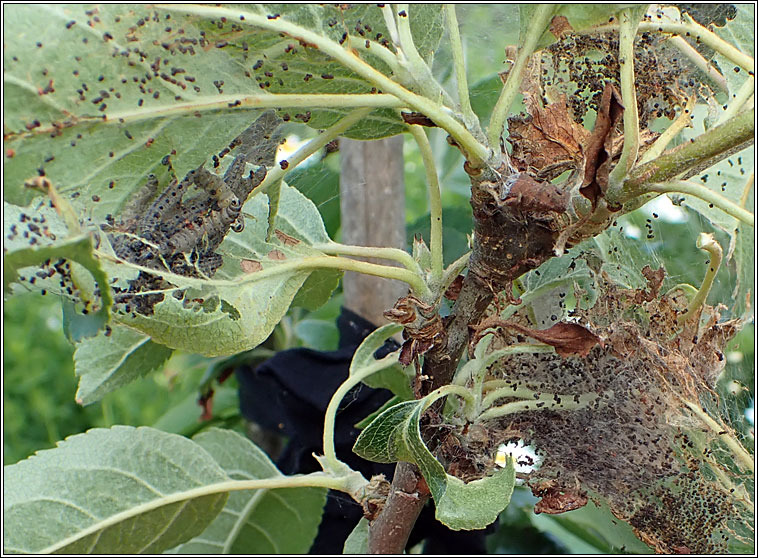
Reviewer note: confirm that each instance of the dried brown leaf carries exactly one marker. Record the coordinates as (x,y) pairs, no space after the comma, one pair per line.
(548,141)
(560,27)
(599,147)
(566,339)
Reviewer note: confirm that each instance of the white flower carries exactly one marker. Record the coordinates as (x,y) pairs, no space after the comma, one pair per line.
(525,458)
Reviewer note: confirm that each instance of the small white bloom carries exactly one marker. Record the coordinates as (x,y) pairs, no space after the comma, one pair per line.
(525,458)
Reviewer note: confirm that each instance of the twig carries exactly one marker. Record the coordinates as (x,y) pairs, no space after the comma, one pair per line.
(717,143)
(706,194)
(542,16)
(275,174)
(705,241)
(388,533)
(681,122)
(459,66)
(628,22)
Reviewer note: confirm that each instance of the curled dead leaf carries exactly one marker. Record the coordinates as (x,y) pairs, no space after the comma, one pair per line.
(654,282)
(567,339)
(598,150)
(454,289)
(418,118)
(556,501)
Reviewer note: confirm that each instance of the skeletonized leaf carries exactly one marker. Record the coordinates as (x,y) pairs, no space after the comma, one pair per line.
(107,362)
(283,521)
(110,491)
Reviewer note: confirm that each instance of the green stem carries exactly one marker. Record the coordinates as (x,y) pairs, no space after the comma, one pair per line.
(690,28)
(477,152)
(739,452)
(275,174)
(389,20)
(453,389)
(681,122)
(418,68)
(705,241)
(700,63)
(739,100)
(506,389)
(689,291)
(384,253)
(301,264)
(541,19)
(706,194)
(459,66)
(239,102)
(330,455)
(381,52)
(546,401)
(454,269)
(707,149)
(628,22)
(435,201)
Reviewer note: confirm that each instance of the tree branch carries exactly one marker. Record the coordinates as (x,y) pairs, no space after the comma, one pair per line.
(691,158)
(389,532)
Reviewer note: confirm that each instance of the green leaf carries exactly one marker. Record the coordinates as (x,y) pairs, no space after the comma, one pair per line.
(391,402)
(110,491)
(476,504)
(321,335)
(357,540)
(742,253)
(364,354)
(395,379)
(282,521)
(320,184)
(247,308)
(550,288)
(388,374)
(395,435)
(591,529)
(82,153)
(107,362)
(50,245)
(740,33)
(621,258)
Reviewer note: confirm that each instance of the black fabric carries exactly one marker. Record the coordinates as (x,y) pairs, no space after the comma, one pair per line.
(289,394)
